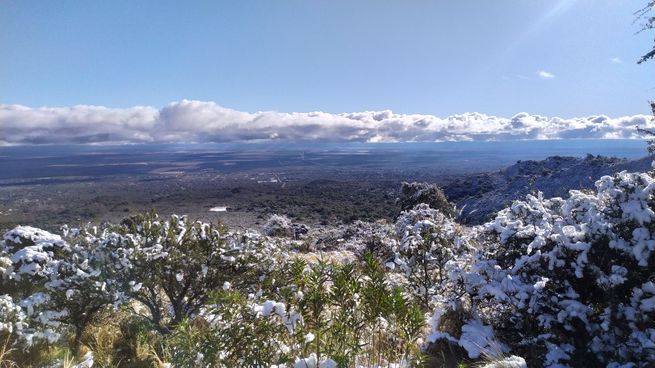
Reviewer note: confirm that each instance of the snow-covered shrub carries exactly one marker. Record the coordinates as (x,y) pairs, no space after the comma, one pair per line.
(59,287)
(27,254)
(86,282)
(507,362)
(430,245)
(233,330)
(282,226)
(12,316)
(358,237)
(412,194)
(569,282)
(175,263)
(53,286)
(321,314)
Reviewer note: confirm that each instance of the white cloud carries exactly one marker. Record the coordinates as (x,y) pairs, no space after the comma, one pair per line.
(545,75)
(198,121)
(616,60)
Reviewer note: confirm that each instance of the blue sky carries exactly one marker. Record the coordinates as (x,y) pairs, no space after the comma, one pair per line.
(556,58)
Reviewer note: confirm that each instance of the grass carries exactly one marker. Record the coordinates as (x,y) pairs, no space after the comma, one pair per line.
(5,354)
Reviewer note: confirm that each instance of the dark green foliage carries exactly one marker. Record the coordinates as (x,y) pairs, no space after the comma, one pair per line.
(427,266)
(648,22)
(414,193)
(179,262)
(648,133)
(349,314)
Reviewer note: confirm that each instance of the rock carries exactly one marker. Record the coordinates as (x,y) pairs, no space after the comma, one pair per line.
(478,197)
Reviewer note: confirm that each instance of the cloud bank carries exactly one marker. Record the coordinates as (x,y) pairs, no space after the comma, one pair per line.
(198,121)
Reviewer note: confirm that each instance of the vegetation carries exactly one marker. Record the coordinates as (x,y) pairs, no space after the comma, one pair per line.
(559,282)
(647,20)
(412,194)
(154,291)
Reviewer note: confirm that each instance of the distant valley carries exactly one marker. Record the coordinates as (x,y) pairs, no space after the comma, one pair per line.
(317,184)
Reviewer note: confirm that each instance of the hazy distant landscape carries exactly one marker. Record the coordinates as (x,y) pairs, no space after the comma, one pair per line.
(317,183)
(65,162)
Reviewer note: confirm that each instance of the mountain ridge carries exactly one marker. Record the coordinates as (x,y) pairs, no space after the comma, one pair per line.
(479,196)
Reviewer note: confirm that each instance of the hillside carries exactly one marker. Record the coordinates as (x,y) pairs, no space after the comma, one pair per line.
(480,196)
(549,282)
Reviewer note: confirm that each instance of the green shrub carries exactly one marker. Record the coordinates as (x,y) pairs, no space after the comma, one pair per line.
(347,315)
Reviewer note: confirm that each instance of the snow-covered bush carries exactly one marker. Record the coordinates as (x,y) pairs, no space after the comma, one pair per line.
(569,282)
(282,226)
(359,237)
(59,287)
(412,194)
(507,362)
(175,263)
(12,316)
(322,314)
(53,286)
(233,330)
(27,254)
(430,246)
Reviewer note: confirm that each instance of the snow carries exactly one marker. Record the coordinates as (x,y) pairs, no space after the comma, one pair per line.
(312,362)
(309,337)
(509,362)
(538,248)
(478,339)
(556,354)
(87,361)
(31,233)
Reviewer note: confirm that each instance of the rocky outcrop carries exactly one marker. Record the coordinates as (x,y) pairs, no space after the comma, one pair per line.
(478,197)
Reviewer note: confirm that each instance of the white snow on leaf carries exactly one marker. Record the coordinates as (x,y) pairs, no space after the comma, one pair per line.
(509,362)
(477,339)
(309,337)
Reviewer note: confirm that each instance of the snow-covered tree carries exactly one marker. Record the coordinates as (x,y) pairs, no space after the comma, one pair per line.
(282,226)
(429,245)
(415,193)
(175,263)
(61,283)
(566,281)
